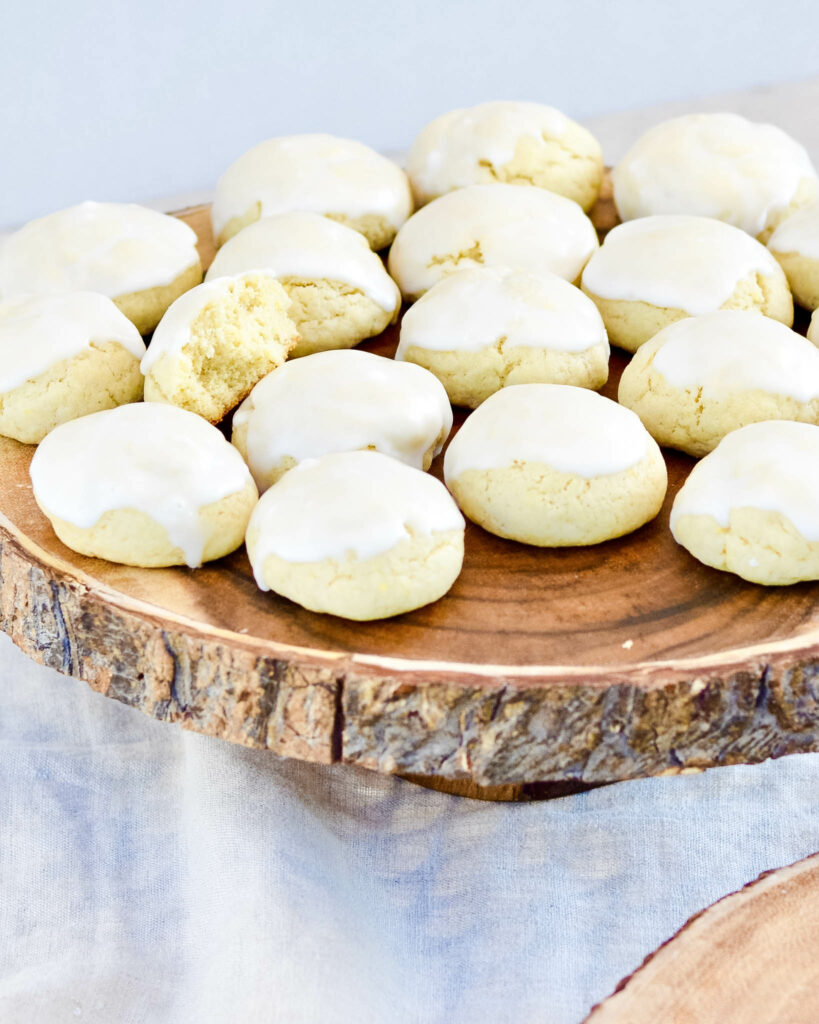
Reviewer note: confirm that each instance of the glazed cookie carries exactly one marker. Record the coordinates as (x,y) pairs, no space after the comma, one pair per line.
(145,485)
(340,292)
(217,341)
(357,534)
(64,356)
(485,328)
(795,244)
(498,225)
(516,143)
(141,259)
(653,271)
(716,165)
(702,377)
(751,507)
(339,178)
(555,466)
(338,402)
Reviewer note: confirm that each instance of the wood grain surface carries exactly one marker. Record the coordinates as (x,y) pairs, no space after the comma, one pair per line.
(577,665)
(748,959)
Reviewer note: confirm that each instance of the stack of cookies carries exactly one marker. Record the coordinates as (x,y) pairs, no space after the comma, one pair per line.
(511,304)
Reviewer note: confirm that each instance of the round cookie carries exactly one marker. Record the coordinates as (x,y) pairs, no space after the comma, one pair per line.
(356,534)
(144,484)
(64,356)
(515,143)
(716,165)
(485,328)
(751,507)
(338,402)
(217,341)
(141,259)
(813,328)
(795,244)
(339,178)
(702,377)
(340,292)
(555,466)
(651,272)
(497,225)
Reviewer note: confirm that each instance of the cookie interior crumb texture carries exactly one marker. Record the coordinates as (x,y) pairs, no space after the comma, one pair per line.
(237,335)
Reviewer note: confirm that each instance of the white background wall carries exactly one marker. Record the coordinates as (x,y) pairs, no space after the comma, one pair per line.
(134,100)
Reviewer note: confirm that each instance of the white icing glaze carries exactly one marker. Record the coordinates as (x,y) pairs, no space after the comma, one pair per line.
(158,459)
(712,165)
(343,401)
(571,429)
(447,154)
(677,262)
(39,332)
(813,329)
(174,329)
(798,233)
(317,173)
(738,350)
(514,226)
(359,502)
(111,248)
(474,308)
(769,466)
(307,245)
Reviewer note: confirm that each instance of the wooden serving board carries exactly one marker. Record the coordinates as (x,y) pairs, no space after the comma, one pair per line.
(748,959)
(577,666)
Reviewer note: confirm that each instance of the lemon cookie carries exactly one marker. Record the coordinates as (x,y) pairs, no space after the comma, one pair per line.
(64,356)
(485,328)
(716,165)
(217,341)
(516,143)
(145,485)
(141,259)
(704,376)
(337,402)
(339,290)
(813,328)
(357,534)
(795,244)
(751,507)
(339,178)
(653,271)
(554,465)
(496,225)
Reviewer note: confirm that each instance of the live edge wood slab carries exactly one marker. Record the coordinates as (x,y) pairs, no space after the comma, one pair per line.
(748,959)
(573,666)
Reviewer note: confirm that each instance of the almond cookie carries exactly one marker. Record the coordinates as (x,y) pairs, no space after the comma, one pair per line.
(339,291)
(751,507)
(339,178)
(141,259)
(702,377)
(497,225)
(555,466)
(485,328)
(217,341)
(356,534)
(516,143)
(795,244)
(651,272)
(338,402)
(716,165)
(64,356)
(143,484)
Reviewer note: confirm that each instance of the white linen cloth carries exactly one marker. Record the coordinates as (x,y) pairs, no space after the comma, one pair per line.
(154,876)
